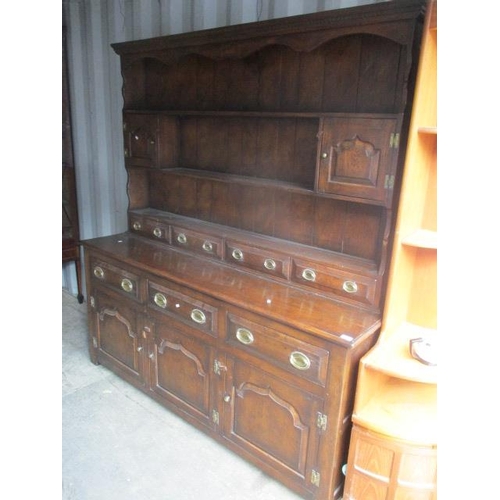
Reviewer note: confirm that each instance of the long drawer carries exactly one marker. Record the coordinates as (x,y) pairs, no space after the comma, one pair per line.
(116,278)
(278,347)
(188,309)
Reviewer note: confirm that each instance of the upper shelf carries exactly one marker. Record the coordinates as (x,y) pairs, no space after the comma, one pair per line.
(421,238)
(428,130)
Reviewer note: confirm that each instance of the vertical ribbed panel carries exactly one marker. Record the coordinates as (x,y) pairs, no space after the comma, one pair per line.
(95,86)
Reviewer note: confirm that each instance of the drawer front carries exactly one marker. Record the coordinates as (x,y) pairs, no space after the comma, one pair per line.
(266,261)
(149,227)
(189,310)
(279,348)
(194,241)
(121,280)
(349,286)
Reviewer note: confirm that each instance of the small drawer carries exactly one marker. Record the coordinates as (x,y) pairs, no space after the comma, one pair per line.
(349,286)
(265,261)
(113,277)
(279,348)
(194,241)
(149,227)
(189,310)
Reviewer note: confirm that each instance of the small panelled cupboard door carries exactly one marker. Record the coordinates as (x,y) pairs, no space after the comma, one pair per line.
(140,139)
(358,156)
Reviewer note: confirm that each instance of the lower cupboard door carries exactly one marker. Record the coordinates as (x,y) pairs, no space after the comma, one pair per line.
(117,339)
(180,373)
(272,420)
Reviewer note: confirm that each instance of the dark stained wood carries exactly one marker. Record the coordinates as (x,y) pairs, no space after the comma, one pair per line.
(251,279)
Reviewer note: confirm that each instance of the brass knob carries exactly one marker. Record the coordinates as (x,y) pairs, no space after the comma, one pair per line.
(139,349)
(136,137)
(237,254)
(127,285)
(198,316)
(160,300)
(157,232)
(98,272)
(207,246)
(270,264)
(151,141)
(227,398)
(182,239)
(350,286)
(309,274)
(299,360)
(244,336)
(324,155)
(136,225)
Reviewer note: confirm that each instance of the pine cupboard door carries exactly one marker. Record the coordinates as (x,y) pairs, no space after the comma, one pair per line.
(272,420)
(180,366)
(358,156)
(118,340)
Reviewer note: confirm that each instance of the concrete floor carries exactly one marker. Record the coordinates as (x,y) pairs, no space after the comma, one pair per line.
(119,444)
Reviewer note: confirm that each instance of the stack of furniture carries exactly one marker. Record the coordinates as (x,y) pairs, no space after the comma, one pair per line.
(70,225)
(394,439)
(264,163)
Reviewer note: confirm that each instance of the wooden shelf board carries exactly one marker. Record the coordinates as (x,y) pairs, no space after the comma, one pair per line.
(427,130)
(402,411)
(422,238)
(392,357)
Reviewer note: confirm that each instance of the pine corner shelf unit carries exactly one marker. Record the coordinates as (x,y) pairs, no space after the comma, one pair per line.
(393,447)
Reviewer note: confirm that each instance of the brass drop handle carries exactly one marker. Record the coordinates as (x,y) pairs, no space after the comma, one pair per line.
(127,285)
(160,300)
(98,272)
(237,254)
(227,398)
(309,274)
(244,336)
(350,286)
(198,316)
(136,225)
(270,264)
(299,360)
(182,239)
(157,232)
(207,246)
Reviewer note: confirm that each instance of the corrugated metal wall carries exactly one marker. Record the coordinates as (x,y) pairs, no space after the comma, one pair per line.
(95,86)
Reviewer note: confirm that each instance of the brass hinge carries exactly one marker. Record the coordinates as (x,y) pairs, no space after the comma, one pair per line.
(394,141)
(215,417)
(124,125)
(389,182)
(92,302)
(218,367)
(315,477)
(321,421)
(94,342)
(125,152)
